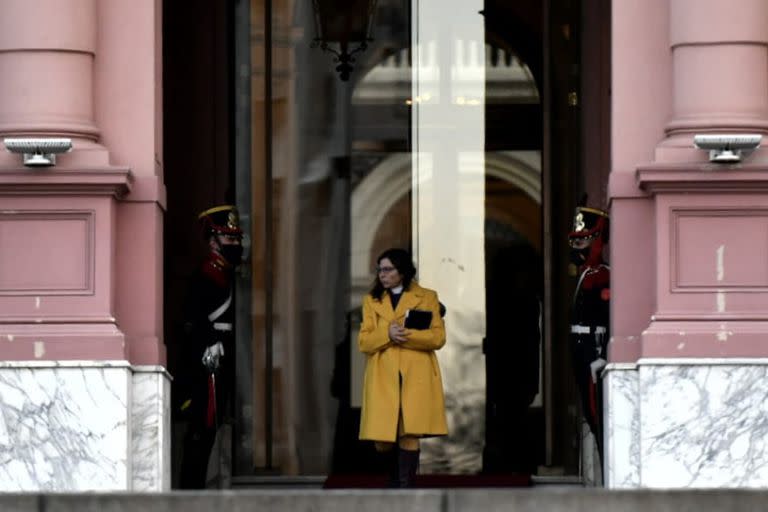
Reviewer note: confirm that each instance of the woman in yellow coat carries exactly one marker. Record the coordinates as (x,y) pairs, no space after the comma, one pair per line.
(403,390)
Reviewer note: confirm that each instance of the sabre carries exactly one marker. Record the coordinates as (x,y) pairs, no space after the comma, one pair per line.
(216,427)
(215,405)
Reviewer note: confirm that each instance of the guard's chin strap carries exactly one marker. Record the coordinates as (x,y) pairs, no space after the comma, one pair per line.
(595,256)
(220,259)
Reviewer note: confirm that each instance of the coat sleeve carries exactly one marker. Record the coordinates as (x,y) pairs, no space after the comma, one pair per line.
(374,334)
(432,338)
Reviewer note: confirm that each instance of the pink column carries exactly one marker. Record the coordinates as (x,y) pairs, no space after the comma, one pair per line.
(47,50)
(711,221)
(640,110)
(58,225)
(129,108)
(705,68)
(720,72)
(689,245)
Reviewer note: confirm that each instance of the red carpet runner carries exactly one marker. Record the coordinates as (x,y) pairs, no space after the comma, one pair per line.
(430,481)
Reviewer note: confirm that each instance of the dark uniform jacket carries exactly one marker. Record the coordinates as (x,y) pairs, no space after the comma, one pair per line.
(208,318)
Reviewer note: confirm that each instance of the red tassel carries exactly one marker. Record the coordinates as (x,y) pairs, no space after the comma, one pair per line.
(592,399)
(211,411)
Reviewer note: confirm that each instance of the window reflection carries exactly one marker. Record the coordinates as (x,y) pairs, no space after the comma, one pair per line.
(398,156)
(323,146)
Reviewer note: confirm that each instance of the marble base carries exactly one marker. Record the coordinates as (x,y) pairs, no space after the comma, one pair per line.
(622,424)
(689,423)
(83,426)
(151,429)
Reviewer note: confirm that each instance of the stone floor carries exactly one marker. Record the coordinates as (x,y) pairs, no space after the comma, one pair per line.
(535,499)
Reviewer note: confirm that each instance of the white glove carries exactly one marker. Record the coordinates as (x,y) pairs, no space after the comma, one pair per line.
(595,367)
(212,355)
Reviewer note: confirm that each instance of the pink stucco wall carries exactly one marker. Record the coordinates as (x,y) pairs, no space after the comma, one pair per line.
(688,245)
(81,253)
(129,67)
(641,105)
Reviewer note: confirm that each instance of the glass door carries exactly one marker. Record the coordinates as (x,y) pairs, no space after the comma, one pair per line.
(477,232)
(323,179)
(449,210)
(364,125)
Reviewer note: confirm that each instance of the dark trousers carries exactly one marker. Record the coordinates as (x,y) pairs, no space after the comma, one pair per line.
(200,437)
(583,352)
(198,442)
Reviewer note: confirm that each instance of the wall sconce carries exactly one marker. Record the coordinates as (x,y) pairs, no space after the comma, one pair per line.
(38,152)
(727,148)
(345,24)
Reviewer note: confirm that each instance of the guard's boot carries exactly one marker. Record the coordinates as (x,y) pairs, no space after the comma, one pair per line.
(408,466)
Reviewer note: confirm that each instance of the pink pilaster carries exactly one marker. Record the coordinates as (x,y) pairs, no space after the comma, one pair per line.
(710,220)
(686,233)
(640,108)
(711,251)
(81,254)
(689,245)
(128,106)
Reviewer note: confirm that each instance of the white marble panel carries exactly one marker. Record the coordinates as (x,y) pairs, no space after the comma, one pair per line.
(151,429)
(704,425)
(622,426)
(64,428)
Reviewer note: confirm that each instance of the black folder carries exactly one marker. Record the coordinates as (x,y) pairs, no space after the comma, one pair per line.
(418,319)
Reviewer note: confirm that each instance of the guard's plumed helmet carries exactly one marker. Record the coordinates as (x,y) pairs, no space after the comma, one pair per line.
(588,238)
(589,224)
(220,220)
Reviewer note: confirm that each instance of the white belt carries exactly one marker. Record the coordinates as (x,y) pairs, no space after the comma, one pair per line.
(585,329)
(221,309)
(222,326)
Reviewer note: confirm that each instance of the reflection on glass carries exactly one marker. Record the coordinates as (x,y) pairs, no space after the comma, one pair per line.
(449,212)
(476,209)
(328,138)
(398,156)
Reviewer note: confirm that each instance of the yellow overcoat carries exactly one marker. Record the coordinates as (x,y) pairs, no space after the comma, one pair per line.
(421,395)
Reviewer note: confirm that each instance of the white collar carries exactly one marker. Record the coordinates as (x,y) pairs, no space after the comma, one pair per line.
(397,290)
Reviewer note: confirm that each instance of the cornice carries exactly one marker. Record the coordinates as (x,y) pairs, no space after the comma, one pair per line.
(702,178)
(110,181)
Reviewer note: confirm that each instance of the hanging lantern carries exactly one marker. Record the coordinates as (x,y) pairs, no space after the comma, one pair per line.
(343,29)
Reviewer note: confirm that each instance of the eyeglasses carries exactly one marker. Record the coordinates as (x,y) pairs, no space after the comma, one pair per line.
(386,270)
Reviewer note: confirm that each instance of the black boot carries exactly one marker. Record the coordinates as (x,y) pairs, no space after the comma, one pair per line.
(408,467)
(393,467)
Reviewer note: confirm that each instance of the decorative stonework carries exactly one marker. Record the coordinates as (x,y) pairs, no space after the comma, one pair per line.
(151,429)
(622,426)
(687,423)
(57,284)
(704,424)
(83,426)
(711,282)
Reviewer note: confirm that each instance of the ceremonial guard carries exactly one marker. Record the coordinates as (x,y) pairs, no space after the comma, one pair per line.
(207,368)
(590,313)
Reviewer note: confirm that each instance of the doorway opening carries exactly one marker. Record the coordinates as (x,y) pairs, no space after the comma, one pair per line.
(327,174)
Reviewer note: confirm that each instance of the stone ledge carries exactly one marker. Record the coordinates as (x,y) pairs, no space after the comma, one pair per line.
(534,500)
(703,178)
(97,181)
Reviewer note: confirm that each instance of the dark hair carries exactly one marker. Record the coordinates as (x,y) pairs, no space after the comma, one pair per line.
(402,261)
